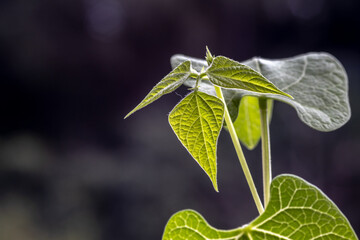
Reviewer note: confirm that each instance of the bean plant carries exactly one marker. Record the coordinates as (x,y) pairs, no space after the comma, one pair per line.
(242,94)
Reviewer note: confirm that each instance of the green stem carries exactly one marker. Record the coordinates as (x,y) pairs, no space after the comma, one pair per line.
(240,153)
(265,145)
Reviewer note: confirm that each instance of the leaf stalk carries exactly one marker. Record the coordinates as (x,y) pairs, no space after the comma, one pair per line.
(240,153)
(265,147)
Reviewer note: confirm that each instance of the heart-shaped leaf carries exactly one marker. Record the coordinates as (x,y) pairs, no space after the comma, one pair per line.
(167,85)
(197,121)
(297,210)
(317,81)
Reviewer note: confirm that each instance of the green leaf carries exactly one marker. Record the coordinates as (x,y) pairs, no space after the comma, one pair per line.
(167,85)
(297,210)
(228,73)
(197,121)
(317,81)
(247,123)
(209,58)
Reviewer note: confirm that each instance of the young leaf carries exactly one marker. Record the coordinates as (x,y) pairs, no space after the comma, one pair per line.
(197,121)
(209,58)
(228,73)
(167,85)
(317,81)
(296,210)
(247,123)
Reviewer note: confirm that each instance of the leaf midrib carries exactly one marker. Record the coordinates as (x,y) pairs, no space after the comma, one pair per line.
(301,76)
(292,208)
(270,233)
(195,94)
(249,130)
(202,235)
(202,131)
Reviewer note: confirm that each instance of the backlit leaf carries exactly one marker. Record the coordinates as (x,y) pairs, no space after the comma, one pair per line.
(197,121)
(167,85)
(297,210)
(247,123)
(228,73)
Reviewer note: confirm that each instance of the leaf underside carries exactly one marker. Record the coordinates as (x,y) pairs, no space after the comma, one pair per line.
(317,81)
(167,85)
(297,210)
(197,120)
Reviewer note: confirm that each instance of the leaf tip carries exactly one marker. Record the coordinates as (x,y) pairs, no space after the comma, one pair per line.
(250,147)
(216,186)
(131,112)
(288,95)
(127,115)
(280,92)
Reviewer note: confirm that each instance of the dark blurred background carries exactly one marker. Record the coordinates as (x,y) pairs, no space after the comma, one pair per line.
(72,168)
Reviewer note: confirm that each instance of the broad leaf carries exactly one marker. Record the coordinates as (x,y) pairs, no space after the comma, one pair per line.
(247,123)
(197,121)
(297,210)
(317,81)
(228,73)
(167,85)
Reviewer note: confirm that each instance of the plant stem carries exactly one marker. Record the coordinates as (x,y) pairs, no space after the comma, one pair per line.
(240,153)
(265,147)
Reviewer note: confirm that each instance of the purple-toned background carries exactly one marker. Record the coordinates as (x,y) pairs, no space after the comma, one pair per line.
(72,168)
